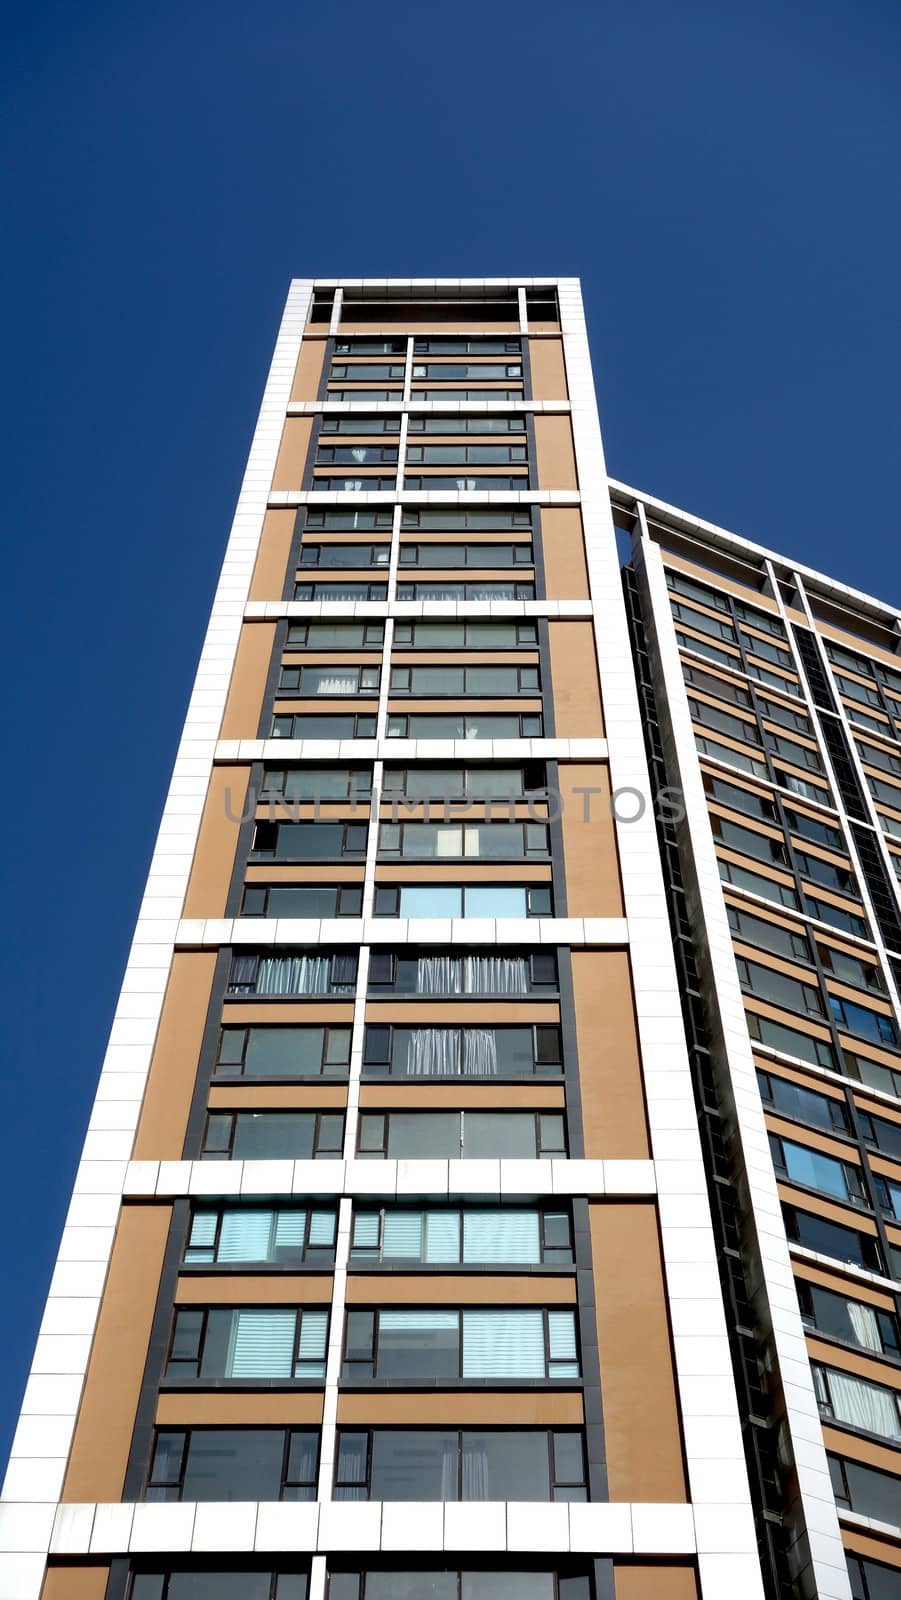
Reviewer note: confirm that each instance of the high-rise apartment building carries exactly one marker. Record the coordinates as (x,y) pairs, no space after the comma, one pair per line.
(493,1190)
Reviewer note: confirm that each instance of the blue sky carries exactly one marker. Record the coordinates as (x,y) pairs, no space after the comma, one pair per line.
(724,179)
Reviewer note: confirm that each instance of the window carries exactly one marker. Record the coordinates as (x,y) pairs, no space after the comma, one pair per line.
(835,916)
(851,1321)
(283,1052)
(748,841)
(299,973)
(497,1584)
(827,1238)
(472,725)
(468,1052)
(458,783)
(447,973)
(476,517)
(484,841)
(678,583)
(483,589)
(464,635)
(755,883)
(454,1464)
(369,371)
(724,722)
(476,455)
(778,988)
(888,1198)
(303,900)
(412,1135)
(857,1403)
(429,423)
(304,726)
(863,1022)
(345,555)
(702,623)
(814,1170)
(339,519)
(438,682)
(309,841)
(873,1073)
(219,1584)
(870,1580)
(336,680)
(465,555)
(340,591)
(858,691)
(818,832)
(332,483)
(316,783)
(733,758)
(467,347)
(273,1135)
(371,347)
(865,1490)
(412,1344)
(233,1464)
(826,873)
(277,1235)
(767,651)
(723,688)
(355,455)
(369,394)
(801,786)
(485,480)
(772,936)
(876,756)
(248,1342)
(334,635)
(470,900)
(790,750)
(879,1132)
(803,1105)
(710,652)
(446,393)
(759,619)
(448,370)
(359,425)
(467,1235)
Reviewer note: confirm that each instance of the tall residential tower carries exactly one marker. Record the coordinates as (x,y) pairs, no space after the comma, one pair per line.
(493,1189)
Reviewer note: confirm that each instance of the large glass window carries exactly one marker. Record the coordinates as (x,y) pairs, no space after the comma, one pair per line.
(762,846)
(316,783)
(862,1021)
(454,1464)
(233,1464)
(438,682)
(449,371)
(302,900)
(442,972)
(792,943)
(486,841)
(790,1041)
(766,983)
(865,1490)
(857,1403)
(500,1583)
(309,841)
(458,783)
(468,725)
(345,555)
(412,1135)
(429,423)
(296,974)
(870,1580)
(209,1583)
(356,455)
(273,1135)
(248,1342)
(815,1170)
(474,1235)
(341,590)
(468,1052)
(477,589)
(275,1234)
(852,1321)
(336,680)
(464,635)
(803,1105)
(334,635)
(400,1344)
(831,1239)
(319,726)
(470,900)
(283,1052)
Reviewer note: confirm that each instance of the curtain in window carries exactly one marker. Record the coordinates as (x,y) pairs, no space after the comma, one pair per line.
(503,1344)
(352,1466)
(403,1235)
(495,975)
(864,1405)
(479,1053)
(245,1235)
(202,1237)
(323,1226)
(432,1053)
(475,1471)
(501,1235)
(311,1345)
(561,1328)
(290,1227)
(331,682)
(293,975)
(261,1344)
(439,975)
(442,1236)
(864,1325)
(244,970)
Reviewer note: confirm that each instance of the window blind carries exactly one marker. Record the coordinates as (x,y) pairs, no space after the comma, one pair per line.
(501,1235)
(261,1344)
(503,1344)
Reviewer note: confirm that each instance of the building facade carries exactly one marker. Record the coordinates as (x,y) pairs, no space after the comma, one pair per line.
(493,1189)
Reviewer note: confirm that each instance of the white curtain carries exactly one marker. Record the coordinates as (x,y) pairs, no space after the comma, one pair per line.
(433,1053)
(479,1053)
(864,1405)
(293,975)
(864,1326)
(439,975)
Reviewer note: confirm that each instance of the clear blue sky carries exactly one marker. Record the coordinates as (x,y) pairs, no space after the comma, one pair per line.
(723,177)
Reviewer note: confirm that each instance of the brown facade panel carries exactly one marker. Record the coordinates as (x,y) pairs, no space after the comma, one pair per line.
(65,1581)
(109,1401)
(639,1580)
(244,705)
(563,553)
(371,1289)
(574,681)
(613,1111)
(419,1013)
(590,857)
(261,1288)
(638,1391)
(308,372)
(548,370)
(554,452)
(530,1408)
(292,454)
(237,1409)
(268,581)
(173,1068)
(217,841)
(277,1096)
(459,1097)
